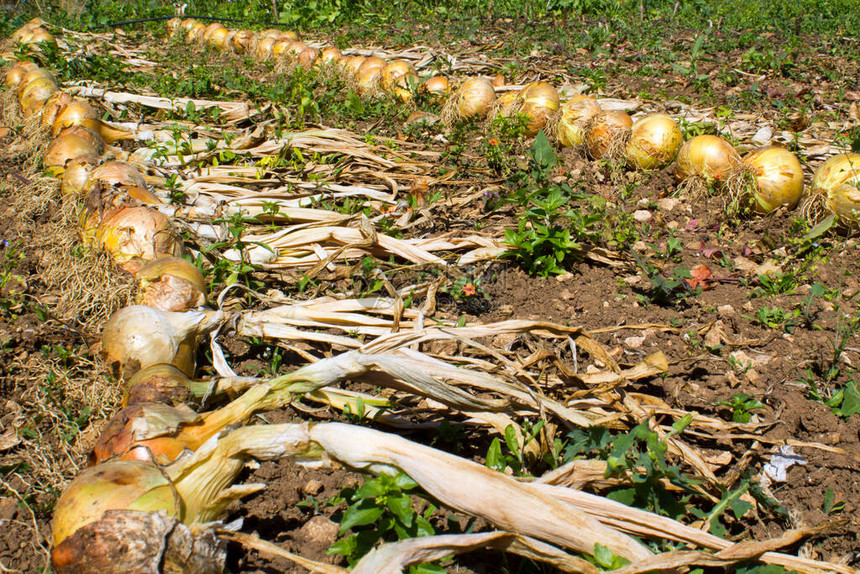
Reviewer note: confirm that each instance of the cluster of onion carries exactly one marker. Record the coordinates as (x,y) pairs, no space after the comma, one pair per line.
(32,34)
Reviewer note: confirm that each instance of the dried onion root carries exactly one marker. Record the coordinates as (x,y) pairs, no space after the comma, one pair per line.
(703,162)
(607,133)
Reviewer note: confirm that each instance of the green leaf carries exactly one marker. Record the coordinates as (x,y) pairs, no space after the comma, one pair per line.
(821,228)
(740,508)
(404,482)
(511,438)
(542,152)
(344,547)
(356,516)
(370,489)
(494,456)
(401,507)
(427,569)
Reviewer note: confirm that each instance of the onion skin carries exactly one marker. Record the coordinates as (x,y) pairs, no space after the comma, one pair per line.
(778,177)
(370,63)
(437,86)
(171,284)
(308,57)
(654,141)
(116,173)
(16,74)
(330,55)
(605,131)
(709,157)
(242,41)
(132,234)
(74,114)
(53,106)
(77,173)
(162,383)
(369,79)
(352,64)
(838,181)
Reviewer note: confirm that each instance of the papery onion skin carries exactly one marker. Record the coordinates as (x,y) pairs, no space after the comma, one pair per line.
(138,233)
(331,55)
(370,63)
(16,74)
(77,173)
(241,41)
(778,177)
(838,181)
(53,106)
(605,131)
(308,57)
(654,141)
(352,64)
(162,383)
(171,284)
(707,156)
(117,173)
(437,86)
(83,132)
(474,98)
(369,79)
(74,114)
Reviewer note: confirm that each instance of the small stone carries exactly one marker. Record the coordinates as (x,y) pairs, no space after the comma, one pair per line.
(634,342)
(632,280)
(672,225)
(752,376)
(642,215)
(668,203)
(506,310)
(640,247)
(8,508)
(644,202)
(726,311)
(313,487)
(566,295)
(564,277)
(748,306)
(319,529)
(606,303)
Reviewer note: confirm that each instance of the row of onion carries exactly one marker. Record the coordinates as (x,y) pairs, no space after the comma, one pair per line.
(764,180)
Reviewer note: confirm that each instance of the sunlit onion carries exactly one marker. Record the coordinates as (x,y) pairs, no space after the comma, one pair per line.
(77,173)
(162,383)
(263,51)
(472,99)
(173,25)
(308,57)
(221,38)
(242,41)
(836,185)
(16,74)
(188,24)
(399,77)
(539,102)
(116,173)
(572,119)
(708,157)
(771,176)
(352,65)
(134,235)
(654,141)
(34,96)
(80,113)
(506,105)
(196,32)
(210,30)
(91,136)
(137,337)
(369,79)
(63,149)
(437,87)
(605,134)
(53,106)
(282,46)
(330,55)
(171,284)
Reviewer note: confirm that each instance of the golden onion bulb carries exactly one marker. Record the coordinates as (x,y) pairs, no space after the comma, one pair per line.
(35,95)
(352,65)
(707,156)
(116,174)
(63,149)
(264,48)
(605,131)
(837,181)
(330,55)
(34,76)
(74,114)
(437,86)
(77,173)
(572,119)
(188,24)
(369,79)
(399,77)
(171,284)
(474,98)
(210,30)
(370,63)
(91,136)
(654,141)
(506,105)
(539,102)
(221,38)
(162,383)
(308,57)
(196,32)
(242,41)
(53,106)
(16,74)
(289,34)
(173,25)
(134,235)
(778,178)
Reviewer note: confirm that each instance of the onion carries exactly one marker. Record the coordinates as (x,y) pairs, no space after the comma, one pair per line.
(34,75)
(308,57)
(263,51)
(372,62)
(196,32)
(437,87)
(331,55)
(34,95)
(188,24)
(836,188)
(654,141)
(53,106)
(63,149)
(171,284)
(506,105)
(771,176)
(173,25)
(606,133)
(77,173)
(472,99)
(137,337)
(36,36)
(80,113)
(138,233)
(282,46)
(221,38)
(539,101)
(16,74)
(116,174)
(399,77)
(210,30)
(272,33)
(288,34)
(569,124)
(708,157)
(242,41)
(369,79)
(86,133)
(352,64)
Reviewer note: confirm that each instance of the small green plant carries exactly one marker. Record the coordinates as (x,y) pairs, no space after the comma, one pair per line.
(515,457)
(383,508)
(664,290)
(776,318)
(742,406)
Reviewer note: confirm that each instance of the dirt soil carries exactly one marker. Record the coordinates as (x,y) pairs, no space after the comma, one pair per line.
(55,396)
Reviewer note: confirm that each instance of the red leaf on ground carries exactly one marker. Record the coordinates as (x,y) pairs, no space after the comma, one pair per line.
(699,276)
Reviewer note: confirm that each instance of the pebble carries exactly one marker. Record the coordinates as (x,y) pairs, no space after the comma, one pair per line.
(642,215)
(313,487)
(668,203)
(726,311)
